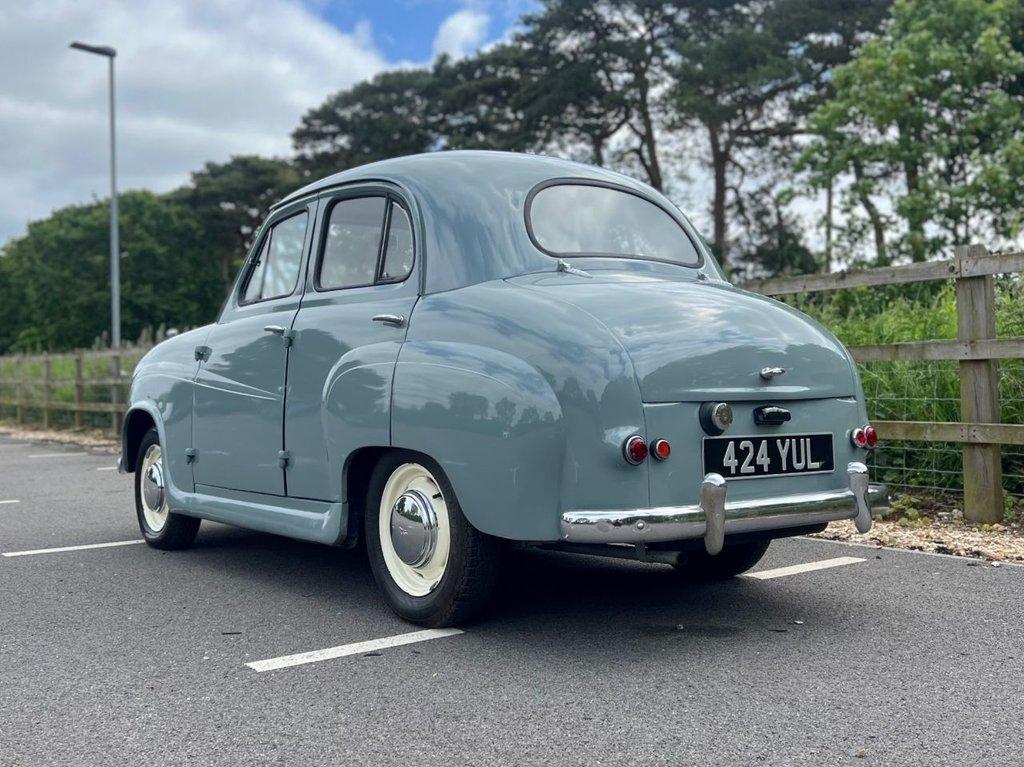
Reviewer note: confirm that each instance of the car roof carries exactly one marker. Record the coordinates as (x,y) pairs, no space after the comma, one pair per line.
(471,208)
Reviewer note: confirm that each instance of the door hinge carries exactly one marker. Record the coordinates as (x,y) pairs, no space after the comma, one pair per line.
(284,457)
(190,454)
(203,353)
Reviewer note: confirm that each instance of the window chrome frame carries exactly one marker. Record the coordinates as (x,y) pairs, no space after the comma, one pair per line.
(577,181)
(391,198)
(250,266)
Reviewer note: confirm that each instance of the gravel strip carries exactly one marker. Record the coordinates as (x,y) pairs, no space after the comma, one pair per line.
(998,543)
(94,438)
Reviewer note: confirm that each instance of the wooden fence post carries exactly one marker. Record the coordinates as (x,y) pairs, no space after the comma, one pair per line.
(115,393)
(19,390)
(979,392)
(79,387)
(47,390)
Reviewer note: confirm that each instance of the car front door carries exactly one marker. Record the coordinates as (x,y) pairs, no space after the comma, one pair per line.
(361,289)
(240,386)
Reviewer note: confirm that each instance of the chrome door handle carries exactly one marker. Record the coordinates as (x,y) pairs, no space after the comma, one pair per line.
(769,373)
(275,329)
(390,319)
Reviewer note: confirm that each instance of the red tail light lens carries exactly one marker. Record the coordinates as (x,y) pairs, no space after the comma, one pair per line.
(660,449)
(859,438)
(865,437)
(634,450)
(870,436)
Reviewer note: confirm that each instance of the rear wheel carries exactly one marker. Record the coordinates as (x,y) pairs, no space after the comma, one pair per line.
(732,561)
(434,568)
(161,528)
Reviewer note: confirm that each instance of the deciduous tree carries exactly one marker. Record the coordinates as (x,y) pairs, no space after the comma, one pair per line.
(928,122)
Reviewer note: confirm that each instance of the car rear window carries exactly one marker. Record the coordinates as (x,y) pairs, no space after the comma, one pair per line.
(578,219)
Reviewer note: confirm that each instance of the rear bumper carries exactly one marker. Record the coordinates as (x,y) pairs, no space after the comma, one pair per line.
(715,517)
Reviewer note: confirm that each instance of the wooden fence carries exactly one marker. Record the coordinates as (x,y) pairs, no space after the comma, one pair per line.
(976,349)
(114,382)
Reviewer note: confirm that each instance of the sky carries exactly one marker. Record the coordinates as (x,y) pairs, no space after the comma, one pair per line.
(197,80)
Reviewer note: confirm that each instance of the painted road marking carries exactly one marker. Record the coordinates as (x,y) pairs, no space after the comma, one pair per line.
(56,455)
(897,550)
(807,567)
(107,468)
(356,648)
(69,548)
(14,501)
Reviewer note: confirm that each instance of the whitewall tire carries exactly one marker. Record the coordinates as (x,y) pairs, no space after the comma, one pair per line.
(160,527)
(434,568)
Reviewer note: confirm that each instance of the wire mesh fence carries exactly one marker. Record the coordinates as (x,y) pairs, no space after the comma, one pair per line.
(84,388)
(903,391)
(926,312)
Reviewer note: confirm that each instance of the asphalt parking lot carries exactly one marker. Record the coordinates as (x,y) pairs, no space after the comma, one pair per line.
(124,654)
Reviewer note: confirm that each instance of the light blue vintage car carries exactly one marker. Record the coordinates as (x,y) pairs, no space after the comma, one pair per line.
(440,354)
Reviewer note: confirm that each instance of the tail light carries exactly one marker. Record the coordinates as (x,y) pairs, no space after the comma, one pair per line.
(634,450)
(865,437)
(870,436)
(661,449)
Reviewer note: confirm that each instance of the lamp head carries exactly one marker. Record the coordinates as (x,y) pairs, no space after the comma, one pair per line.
(101,50)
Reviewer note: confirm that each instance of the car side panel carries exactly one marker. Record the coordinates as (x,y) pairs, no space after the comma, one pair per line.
(335,409)
(493,424)
(524,401)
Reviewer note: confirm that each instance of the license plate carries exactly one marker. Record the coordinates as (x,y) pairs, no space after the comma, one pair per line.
(751,457)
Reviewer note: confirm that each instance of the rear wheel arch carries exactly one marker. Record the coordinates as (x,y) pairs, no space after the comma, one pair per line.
(356,481)
(358,473)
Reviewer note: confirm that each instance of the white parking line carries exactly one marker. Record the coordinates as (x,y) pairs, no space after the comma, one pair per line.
(13,501)
(806,567)
(56,455)
(107,468)
(355,648)
(896,550)
(69,548)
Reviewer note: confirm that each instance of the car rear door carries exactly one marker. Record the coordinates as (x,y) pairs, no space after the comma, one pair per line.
(240,386)
(361,288)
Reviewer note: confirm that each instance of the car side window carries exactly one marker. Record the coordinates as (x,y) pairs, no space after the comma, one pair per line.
(399,248)
(352,245)
(276,270)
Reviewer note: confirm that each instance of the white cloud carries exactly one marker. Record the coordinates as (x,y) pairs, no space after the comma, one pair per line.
(197,80)
(462,33)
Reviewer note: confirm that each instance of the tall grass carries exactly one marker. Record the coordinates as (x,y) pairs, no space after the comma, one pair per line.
(923,391)
(899,391)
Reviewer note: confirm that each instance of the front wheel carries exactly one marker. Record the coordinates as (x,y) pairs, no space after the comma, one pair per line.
(161,527)
(732,561)
(434,568)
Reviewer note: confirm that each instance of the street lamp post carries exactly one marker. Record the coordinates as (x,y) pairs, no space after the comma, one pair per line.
(115,266)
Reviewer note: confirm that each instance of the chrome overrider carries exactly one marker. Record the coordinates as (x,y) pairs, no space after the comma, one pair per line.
(714,517)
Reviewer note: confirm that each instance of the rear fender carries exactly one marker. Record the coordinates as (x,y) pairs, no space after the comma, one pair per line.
(494,425)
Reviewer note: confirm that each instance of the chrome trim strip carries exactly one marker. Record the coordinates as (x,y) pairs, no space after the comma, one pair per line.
(714,517)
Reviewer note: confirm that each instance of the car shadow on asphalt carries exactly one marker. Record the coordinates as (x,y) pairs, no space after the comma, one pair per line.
(540,592)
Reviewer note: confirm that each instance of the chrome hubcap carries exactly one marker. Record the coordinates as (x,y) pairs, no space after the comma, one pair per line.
(153,486)
(155,509)
(413,528)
